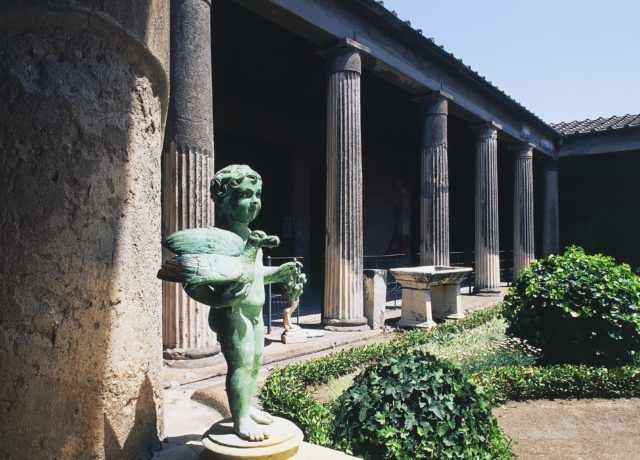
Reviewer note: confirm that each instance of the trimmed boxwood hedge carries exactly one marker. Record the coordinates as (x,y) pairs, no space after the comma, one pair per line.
(511,383)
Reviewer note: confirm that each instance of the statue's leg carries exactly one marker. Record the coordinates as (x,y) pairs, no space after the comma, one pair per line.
(258,415)
(237,341)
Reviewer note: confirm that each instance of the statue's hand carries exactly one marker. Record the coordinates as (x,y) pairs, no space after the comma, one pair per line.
(294,281)
(290,271)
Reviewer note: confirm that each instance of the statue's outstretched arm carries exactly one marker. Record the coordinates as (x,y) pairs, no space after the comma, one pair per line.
(283,273)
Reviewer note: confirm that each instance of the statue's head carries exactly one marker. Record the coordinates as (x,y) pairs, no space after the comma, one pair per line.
(236,190)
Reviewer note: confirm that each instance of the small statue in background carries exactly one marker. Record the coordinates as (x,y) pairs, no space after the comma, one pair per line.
(222,267)
(293,291)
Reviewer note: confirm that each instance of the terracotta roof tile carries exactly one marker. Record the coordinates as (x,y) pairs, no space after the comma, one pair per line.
(599,124)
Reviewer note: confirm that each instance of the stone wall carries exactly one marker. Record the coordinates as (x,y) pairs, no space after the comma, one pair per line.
(84,93)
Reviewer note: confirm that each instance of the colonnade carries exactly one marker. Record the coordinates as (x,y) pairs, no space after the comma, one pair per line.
(344,239)
(190,143)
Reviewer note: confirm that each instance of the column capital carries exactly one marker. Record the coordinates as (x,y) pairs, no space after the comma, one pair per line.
(523,150)
(434,102)
(486,129)
(428,97)
(344,55)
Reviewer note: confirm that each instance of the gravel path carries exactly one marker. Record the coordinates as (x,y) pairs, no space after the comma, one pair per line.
(573,429)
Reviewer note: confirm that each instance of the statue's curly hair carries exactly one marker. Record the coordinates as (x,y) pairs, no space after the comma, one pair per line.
(228,179)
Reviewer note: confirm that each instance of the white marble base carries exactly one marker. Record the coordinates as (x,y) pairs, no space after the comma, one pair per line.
(430,292)
(446,301)
(294,336)
(416,308)
(419,324)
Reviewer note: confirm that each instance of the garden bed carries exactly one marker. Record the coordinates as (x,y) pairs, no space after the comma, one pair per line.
(502,369)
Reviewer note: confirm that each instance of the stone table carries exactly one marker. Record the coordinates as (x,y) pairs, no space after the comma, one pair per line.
(429,292)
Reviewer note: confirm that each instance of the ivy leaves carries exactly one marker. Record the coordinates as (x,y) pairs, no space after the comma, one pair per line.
(413,406)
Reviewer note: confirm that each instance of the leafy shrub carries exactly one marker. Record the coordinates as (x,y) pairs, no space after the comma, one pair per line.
(285,394)
(512,383)
(413,406)
(578,309)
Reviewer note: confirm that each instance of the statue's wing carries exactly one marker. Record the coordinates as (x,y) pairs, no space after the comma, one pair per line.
(209,240)
(196,269)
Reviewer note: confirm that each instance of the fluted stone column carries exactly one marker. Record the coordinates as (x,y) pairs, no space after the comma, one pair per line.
(188,167)
(523,236)
(343,289)
(487,257)
(551,213)
(434,181)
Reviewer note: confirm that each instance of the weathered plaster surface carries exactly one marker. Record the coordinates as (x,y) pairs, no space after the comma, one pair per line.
(80,138)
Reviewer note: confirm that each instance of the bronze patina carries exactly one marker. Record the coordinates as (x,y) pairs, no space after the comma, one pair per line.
(222,267)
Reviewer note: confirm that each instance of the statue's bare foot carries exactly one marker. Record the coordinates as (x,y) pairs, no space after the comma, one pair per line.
(260,416)
(249,430)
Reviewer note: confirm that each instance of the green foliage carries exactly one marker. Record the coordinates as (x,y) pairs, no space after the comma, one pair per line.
(561,381)
(578,309)
(285,394)
(422,336)
(483,347)
(413,406)
(287,390)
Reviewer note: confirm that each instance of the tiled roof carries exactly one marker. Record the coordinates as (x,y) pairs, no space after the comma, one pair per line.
(392,17)
(599,124)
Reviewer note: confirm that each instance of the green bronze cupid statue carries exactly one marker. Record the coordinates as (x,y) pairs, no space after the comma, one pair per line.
(222,267)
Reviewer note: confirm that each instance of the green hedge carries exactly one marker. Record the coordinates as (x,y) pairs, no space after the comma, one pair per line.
(511,383)
(285,391)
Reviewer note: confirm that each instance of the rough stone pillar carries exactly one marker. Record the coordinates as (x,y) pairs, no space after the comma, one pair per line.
(375,297)
(188,168)
(434,181)
(343,297)
(84,90)
(551,212)
(487,257)
(523,235)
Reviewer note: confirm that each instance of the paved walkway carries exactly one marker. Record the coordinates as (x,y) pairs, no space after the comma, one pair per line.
(186,419)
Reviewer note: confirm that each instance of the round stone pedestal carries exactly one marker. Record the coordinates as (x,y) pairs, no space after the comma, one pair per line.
(347,325)
(222,443)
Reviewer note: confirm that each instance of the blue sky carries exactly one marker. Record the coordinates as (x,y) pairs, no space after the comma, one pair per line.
(564,60)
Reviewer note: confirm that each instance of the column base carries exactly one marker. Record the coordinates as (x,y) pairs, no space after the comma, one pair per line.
(190,353)
(486,291)
(347,325)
